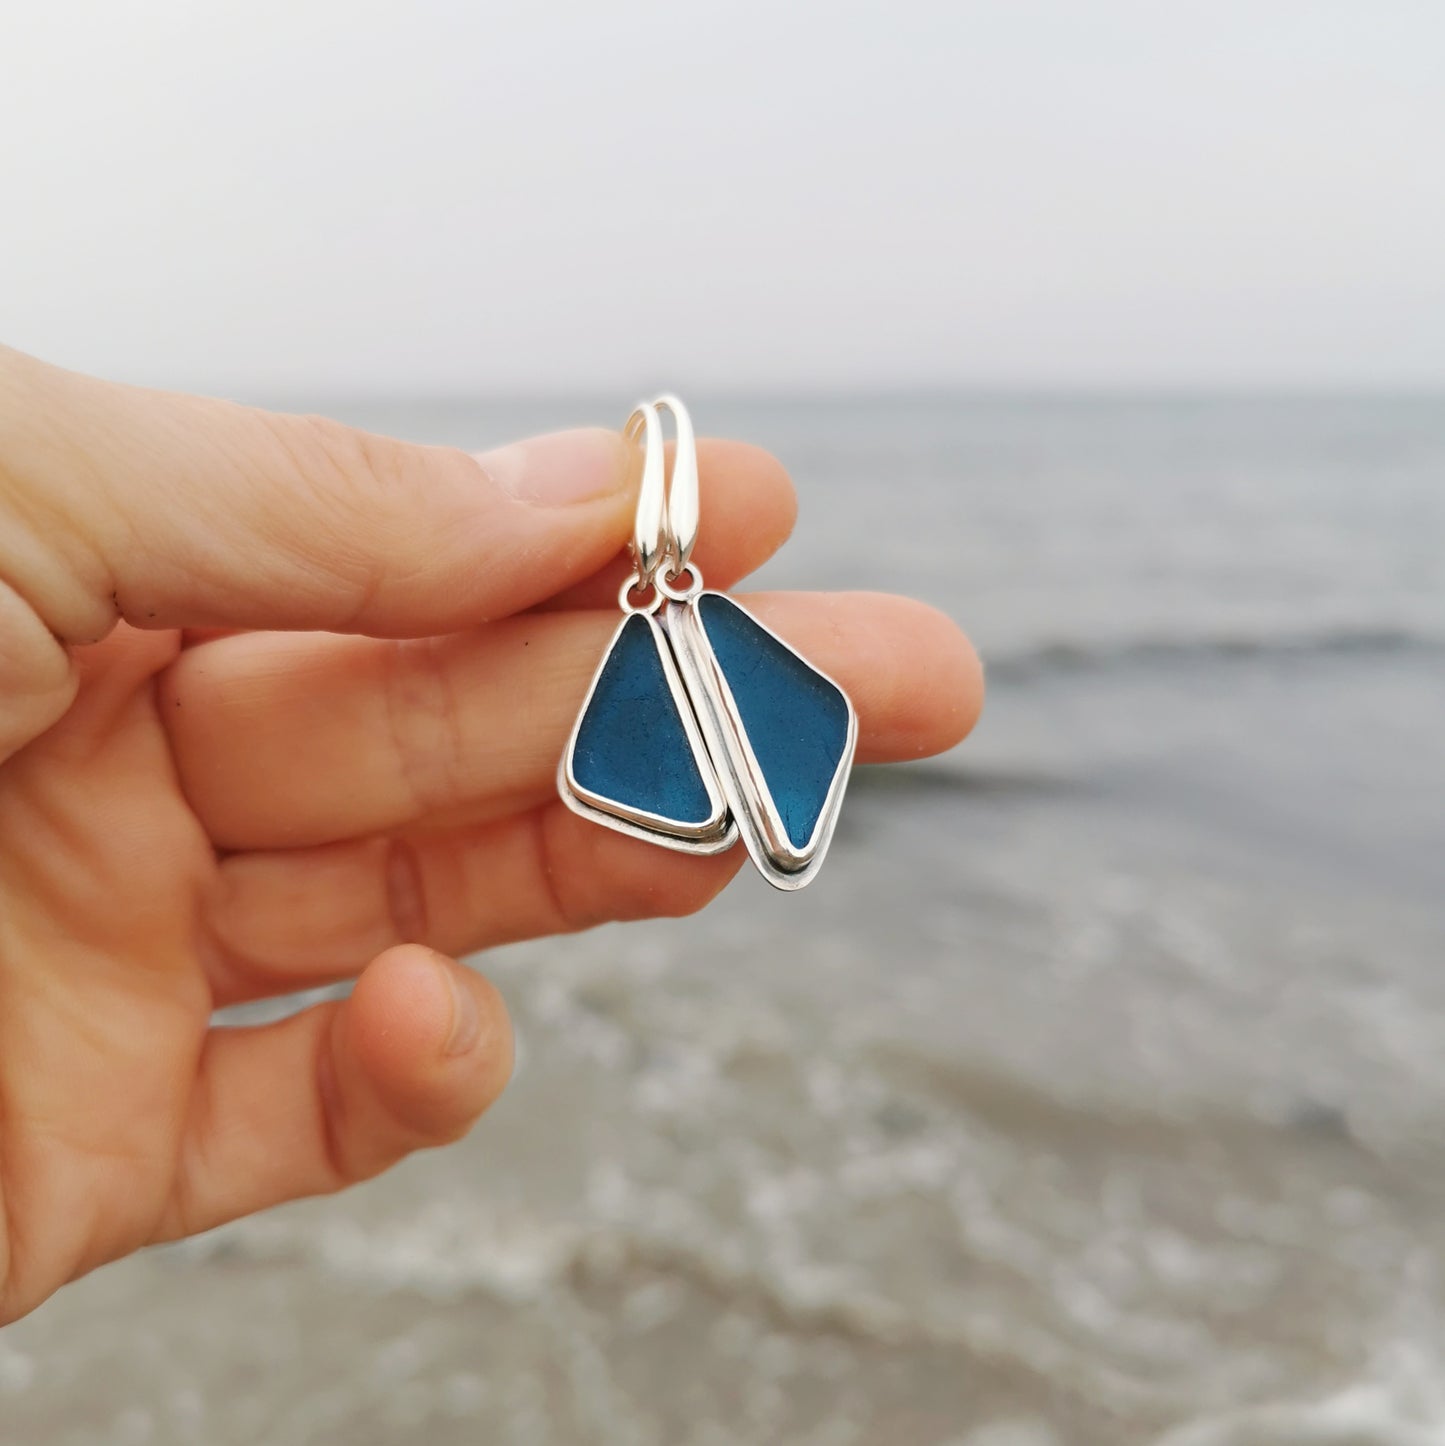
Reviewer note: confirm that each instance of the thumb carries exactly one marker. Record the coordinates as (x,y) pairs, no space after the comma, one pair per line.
(340,1091)
(172,511)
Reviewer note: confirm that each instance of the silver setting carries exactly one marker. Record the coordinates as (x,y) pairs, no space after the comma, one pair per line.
(714,835)
(778,860)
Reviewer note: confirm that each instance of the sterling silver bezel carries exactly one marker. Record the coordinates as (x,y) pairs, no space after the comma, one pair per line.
(781,863)
(714,835)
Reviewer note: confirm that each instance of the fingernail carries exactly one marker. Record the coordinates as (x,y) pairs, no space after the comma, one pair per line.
(466,1020)
(560,469)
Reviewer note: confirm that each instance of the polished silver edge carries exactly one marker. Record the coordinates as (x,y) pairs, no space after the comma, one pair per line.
(715,834)
(763,831)
(703,847)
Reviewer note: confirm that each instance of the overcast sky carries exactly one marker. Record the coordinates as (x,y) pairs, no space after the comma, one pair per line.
(340,196)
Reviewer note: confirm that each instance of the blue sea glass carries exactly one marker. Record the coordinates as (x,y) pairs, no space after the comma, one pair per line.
(795,719)
(631,745)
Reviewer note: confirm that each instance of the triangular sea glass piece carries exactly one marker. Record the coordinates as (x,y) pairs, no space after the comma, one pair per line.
(636,753)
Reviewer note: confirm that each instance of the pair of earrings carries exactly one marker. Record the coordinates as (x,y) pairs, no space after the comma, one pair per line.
(701,725)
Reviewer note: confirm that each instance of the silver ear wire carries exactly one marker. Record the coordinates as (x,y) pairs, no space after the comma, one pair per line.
(668,511)
(649,528)
(682,511)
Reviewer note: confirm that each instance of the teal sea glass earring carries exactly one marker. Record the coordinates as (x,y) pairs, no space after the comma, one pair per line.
(701,724)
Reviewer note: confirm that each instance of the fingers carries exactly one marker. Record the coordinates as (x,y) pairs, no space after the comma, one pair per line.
(175,511)
(37,676)
(748,508)
(182,511)
(341,1091)
(294,919)
(286,742)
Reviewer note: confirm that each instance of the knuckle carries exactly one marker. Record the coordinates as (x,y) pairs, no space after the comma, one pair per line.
(374,502)
(425,722)
(335,475)
(325,454)
(405,892)
(52,492)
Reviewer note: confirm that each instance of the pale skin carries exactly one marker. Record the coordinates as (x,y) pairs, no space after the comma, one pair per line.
(281,705)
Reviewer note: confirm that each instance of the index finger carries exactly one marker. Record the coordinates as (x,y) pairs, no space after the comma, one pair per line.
(176,511)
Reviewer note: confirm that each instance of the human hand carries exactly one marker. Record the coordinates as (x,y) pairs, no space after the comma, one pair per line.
(281,705)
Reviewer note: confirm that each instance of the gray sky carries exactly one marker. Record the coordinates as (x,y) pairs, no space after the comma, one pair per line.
(340,196)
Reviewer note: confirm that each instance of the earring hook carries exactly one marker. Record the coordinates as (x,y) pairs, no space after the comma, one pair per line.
(666,523)
(682,514)
(649,527)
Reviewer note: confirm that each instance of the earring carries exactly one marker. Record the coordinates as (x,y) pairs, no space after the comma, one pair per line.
(705,725)
(636,761)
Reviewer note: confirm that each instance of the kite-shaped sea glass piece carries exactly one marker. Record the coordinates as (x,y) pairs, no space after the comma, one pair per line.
(781,733)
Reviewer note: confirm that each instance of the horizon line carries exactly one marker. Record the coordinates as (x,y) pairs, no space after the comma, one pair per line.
(780,396)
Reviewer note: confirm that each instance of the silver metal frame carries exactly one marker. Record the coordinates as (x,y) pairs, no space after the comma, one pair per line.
(763,831)
(717,833)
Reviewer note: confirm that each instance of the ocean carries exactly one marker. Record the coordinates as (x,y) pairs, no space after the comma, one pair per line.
(1093,1095)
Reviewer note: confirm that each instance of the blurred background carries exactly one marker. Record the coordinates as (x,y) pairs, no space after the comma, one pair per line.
(1096,1091)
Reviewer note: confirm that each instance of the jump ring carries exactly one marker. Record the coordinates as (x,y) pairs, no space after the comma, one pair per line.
(634,580)
(665,583)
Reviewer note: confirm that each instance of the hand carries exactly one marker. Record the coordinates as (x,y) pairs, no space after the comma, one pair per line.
(281,705)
